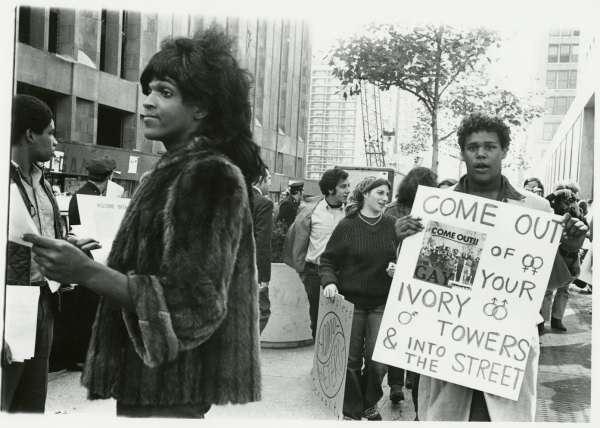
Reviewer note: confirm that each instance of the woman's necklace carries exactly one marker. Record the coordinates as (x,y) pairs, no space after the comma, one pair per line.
(362,217)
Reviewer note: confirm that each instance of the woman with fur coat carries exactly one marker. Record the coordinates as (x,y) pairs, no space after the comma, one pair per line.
(177,328)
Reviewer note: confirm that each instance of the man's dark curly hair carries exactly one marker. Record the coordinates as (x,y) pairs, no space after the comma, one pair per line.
(206,72)
(330,180)
(476,122)
(409,184)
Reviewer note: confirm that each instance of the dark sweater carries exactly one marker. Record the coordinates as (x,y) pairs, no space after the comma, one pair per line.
(356,259)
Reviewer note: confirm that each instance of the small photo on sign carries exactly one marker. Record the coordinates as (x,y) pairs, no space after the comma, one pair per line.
(449,255)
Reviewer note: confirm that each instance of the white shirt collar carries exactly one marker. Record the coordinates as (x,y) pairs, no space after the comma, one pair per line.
(259,191)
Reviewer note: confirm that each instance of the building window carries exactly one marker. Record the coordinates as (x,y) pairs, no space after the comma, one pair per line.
(563,79)
(110,127)
(279,164)
(565,53)
(123,43)
(549,131)
(555,32)
(53,31)
(576,32)
(551,80)
(299,165)
(574,53)
(553,53)
(550,102)
(103,41)
(569,102)
(561,105)
(24,24)
(565,32)
(573,79)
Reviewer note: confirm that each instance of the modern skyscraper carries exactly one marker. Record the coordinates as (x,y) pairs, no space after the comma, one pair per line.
(334,129)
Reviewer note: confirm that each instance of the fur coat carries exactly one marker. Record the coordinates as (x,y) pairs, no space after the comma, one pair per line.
(186,245)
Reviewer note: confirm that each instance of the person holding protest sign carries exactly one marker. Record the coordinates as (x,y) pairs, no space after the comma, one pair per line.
(399,208)
(484,141)
(355,264)
(177,329)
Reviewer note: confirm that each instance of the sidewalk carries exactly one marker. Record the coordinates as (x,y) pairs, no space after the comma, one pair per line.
(564,381)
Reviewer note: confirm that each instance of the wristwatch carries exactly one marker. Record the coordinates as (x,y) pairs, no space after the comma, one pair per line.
(567,254)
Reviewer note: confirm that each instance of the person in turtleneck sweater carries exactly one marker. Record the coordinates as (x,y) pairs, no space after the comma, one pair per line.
(355,264)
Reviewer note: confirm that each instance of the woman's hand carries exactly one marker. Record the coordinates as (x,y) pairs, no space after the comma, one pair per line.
(391,269)
(59,260)
(407,226)
(330,291)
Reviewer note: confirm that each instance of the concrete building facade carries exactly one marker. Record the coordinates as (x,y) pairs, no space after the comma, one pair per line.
(557,54)
(86,64)
(570,153)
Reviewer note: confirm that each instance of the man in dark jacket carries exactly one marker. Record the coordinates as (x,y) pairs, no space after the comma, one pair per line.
(73,326)
(262,219)
(24,384)
(288,208)
(99,171)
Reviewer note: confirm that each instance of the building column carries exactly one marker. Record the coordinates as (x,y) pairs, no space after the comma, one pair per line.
(68,29)
(39,28)
(65,117)
(112,49)
(586,166)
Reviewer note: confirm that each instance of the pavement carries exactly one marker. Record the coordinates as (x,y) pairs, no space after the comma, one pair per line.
(564,381)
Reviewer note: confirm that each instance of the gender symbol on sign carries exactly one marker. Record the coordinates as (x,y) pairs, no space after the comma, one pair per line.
(387,342)
(331,354)
(406,317)
(496,310)
(534,263)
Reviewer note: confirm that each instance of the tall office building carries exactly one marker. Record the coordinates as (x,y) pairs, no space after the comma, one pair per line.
(569,155)
(86,65)
(557,58)
(334,125)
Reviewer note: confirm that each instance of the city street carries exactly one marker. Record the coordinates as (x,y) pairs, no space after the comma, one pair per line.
(564,381)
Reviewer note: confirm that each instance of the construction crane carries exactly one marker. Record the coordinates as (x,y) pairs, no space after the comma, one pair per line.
(372,124)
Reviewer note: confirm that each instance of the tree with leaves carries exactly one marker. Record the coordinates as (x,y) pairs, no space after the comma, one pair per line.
(426,61)
(476,91)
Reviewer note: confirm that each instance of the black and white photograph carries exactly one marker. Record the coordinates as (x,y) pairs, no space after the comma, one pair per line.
(449,255)
(185,181)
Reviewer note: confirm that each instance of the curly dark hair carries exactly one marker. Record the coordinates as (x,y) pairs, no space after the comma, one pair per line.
(408,186)
(476,122)
(29,113)
(330,179)
(206,72)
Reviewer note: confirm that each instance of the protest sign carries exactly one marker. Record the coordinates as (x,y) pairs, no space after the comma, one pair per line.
(464,301)
(100,219)
(19,218)
(20,321)
(331,352)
